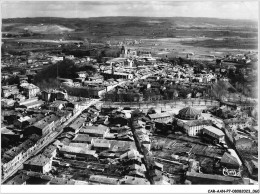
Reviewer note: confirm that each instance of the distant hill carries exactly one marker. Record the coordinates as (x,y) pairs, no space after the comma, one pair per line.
(173,20)
(115,24)
(118,29)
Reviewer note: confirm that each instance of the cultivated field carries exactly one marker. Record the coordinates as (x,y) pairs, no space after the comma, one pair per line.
(162,36)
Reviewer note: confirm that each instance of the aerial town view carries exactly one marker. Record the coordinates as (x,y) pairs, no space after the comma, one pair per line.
(128,99)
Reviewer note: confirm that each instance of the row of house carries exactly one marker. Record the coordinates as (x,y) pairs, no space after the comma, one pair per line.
(43,126)
(13,157)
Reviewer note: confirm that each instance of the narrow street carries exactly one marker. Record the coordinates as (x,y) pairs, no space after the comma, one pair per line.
(140,150)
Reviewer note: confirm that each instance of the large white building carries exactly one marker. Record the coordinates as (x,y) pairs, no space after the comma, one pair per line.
(193,128)
(190,120)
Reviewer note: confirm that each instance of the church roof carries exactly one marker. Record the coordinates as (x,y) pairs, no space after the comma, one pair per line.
(188,112)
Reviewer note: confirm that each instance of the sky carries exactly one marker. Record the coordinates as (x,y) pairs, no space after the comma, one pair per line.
(84,9)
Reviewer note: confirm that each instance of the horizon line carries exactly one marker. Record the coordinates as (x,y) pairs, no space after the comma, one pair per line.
(252,19)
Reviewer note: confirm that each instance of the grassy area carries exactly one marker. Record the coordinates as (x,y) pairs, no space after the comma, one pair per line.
(233,43)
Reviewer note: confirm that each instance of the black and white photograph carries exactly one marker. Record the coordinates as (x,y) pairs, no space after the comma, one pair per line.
(126,93)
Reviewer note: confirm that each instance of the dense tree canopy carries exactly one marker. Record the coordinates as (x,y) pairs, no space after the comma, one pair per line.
(65,69)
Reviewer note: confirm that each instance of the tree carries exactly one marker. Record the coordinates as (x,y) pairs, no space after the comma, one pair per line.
(11,81)
(231,90)
(219,90)
(136,113)
(180,60)
(65,69)
(151,111)
(218,61)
